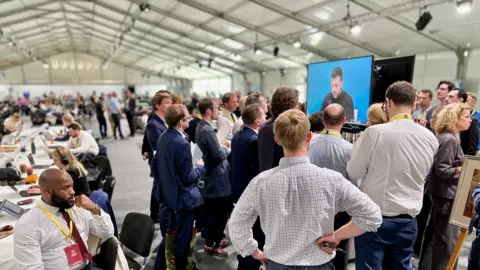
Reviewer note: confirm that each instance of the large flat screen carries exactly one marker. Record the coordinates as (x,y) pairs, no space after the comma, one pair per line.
(346,82)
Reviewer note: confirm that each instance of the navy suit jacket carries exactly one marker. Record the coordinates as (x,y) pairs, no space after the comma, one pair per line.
(155,128)
(244,160)
(179,179)
(217,176)
(269,152)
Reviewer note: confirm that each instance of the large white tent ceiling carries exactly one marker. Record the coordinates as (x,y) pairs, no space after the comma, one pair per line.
(213,38)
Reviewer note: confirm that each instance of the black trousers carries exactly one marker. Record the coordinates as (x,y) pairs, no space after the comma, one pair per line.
(102,122)
(131,122)
(216,212)
(154,205)
(116,123)
(340,261)
(422,219)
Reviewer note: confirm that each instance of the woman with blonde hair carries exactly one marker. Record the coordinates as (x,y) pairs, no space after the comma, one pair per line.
(376,115)
(66,161)
(177,99)
(440,236)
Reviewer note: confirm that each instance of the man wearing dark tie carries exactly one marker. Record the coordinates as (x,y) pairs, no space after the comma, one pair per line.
(130,107)
(179,180)
(217,187)
(245,168)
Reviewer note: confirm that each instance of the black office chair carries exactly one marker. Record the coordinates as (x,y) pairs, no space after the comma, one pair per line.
(137,235)
(109,186)
(107,258)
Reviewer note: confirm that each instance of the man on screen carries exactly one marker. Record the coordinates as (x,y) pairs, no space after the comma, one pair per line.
(338,95)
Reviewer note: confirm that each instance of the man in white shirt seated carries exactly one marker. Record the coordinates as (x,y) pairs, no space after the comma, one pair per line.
(393,160)
(53,235)
(297,202)
(81,143)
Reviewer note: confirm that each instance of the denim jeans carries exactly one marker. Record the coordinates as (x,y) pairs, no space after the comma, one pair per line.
(271,265)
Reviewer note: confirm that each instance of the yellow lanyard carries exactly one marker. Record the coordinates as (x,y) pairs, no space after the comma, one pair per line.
(52,218)
(329,132)
(420,116)
(401,116)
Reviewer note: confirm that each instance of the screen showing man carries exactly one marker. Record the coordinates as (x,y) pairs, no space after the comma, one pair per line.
(345,82)
(338,95)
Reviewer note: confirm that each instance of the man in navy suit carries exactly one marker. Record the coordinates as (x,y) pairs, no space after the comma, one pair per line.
(179,180)
(245,167)
(217,188)
(155,127)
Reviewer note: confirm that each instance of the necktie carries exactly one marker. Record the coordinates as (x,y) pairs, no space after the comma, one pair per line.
(233,117)
(78,239)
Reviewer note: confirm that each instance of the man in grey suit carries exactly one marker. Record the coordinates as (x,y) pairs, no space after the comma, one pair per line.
(217,188)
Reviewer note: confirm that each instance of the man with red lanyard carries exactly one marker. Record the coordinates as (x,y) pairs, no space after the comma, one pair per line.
(53,235)
(393,160)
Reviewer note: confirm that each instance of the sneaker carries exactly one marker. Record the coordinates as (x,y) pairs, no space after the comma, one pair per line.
(215,251)
(223,244)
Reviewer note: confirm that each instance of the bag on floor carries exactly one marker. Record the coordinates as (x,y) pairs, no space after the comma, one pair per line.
(170,250)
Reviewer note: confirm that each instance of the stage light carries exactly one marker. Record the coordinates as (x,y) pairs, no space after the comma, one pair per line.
(423,21)
(145,7)
(355,29)
(11,43)
(465,53)
(464,6)
(275,50)
(256,51)
(297,44)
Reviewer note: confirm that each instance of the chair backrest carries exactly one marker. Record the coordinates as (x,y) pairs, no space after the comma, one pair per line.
(109,186)
(104,164)
(137,233)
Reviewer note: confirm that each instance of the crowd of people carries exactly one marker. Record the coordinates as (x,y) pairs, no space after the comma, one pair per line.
(287,189)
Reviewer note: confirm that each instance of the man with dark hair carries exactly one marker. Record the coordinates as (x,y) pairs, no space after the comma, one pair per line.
(316,123)
(226,120)
(394,177)
(443,88)
(130,110)
(338,95)
(102,121)
(470,137)
(269,152)
(424,98)
(81,143)
(245,168)
(217,187)
(179,180)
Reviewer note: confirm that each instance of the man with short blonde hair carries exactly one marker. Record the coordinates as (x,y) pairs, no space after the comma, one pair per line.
(297,202)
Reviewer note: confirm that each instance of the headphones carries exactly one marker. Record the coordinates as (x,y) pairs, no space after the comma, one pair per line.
(63,158)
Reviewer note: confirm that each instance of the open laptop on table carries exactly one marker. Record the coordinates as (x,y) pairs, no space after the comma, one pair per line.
(42,164)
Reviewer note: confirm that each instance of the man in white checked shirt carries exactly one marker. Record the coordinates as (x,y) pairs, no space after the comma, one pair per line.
(297,202)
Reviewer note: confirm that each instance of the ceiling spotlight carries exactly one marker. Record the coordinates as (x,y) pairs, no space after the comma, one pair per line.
(11,43)
(145,7)
(464,6)
(46,66)
(210,63)
(237,57)
(465,53)
(423,21)
(275,50)
(297,44)
(355,29)
(257,51)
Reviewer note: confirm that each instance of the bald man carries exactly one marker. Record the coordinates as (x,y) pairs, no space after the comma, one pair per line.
(239,123)
(329,150)
(40,237)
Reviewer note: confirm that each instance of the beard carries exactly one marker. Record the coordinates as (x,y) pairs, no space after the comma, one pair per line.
(60,202)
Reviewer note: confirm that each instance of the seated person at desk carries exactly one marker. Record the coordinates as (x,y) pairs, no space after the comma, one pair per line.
(66,161)
(67,120)
(81,143)
(42,238)
(14,122)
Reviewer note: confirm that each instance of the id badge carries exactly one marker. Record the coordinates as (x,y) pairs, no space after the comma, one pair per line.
(74,257)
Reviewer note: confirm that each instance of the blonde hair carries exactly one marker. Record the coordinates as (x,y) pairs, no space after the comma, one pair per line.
(68,118)
(291,129)
(177,99)
(72,160)
(376,115)
(447,118)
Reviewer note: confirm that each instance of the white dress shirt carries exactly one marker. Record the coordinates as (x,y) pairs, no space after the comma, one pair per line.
(39,244)
(297,202)
(84,143)
(237,126)
(393,160)
(226,121)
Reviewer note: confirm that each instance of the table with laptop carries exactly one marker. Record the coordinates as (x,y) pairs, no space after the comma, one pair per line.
(17,198)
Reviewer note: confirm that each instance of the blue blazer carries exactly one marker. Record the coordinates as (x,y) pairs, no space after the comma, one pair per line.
(155,128)
(244,160)
(217,176)
(179,179)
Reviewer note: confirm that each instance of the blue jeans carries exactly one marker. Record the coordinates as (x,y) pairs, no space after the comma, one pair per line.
(271,265)
(164,216)
(395,235)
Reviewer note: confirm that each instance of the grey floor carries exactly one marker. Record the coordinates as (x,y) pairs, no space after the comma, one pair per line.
(132,194)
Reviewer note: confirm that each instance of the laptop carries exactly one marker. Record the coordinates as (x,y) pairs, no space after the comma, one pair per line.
(43,164)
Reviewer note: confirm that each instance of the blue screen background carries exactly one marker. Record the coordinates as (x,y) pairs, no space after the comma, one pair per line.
(357,73)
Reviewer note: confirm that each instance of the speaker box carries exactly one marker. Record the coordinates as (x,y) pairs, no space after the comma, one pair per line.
(423,21)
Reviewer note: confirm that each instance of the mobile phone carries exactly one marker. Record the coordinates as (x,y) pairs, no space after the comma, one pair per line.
(26,201)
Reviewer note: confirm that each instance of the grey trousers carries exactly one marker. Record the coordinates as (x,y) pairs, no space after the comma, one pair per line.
(440,236)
